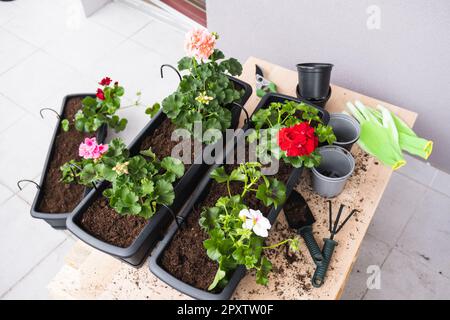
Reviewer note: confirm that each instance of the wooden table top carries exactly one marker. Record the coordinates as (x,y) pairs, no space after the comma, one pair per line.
(91,274)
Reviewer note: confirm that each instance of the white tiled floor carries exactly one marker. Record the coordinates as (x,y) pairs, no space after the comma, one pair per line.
(48,49)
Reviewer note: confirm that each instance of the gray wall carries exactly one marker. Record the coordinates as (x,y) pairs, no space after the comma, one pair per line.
(406,61)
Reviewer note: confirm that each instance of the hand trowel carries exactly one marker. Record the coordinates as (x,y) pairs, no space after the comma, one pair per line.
(300,217)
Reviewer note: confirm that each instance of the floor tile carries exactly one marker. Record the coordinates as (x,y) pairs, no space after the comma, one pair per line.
(29,190)
(403,277)
(427,235)
(37,24)
(25,242)
(418,170)
(137,69)
(164,39)
(9,113)
(372,252)
(12,44)
(441,182)
(8,10)
(23,148)
(34,80)
(121,18)
(5,193)
(396,208)
(34,285)
(81,48)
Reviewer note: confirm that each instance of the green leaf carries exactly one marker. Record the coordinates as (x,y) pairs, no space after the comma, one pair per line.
(238,175)
(173,165)
(219,174)
(89,102)
(153,110)
(164,191)
(220,274)
(65,125)
(185,63)
(172,105)
(148,153)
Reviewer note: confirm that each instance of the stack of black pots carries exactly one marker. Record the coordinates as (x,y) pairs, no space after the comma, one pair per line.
(314,82)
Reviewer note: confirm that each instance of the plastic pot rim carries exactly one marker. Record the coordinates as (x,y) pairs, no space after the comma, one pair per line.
(349,157)
(314,66)
(356,125)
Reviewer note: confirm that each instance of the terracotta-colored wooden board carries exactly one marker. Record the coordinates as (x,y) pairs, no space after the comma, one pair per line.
(90,274)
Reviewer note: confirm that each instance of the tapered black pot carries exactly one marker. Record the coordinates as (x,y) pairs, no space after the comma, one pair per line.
(58,220)
(197,197)
(156,227)
(314,80)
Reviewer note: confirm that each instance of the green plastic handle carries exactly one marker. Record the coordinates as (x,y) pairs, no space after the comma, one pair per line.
(311,244)
(319,275)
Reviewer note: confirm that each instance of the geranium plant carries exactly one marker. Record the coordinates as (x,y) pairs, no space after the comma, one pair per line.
(138,184)
(293,130)
(236,232)
(205,90)
(99,110)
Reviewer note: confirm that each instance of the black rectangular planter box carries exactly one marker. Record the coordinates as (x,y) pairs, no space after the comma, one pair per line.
(157,225)
(58,220)
(196,198)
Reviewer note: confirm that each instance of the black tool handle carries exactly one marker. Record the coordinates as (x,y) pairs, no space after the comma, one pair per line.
(311,244)
(321,270)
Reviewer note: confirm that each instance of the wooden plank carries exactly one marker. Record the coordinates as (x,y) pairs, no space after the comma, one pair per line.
(90,274)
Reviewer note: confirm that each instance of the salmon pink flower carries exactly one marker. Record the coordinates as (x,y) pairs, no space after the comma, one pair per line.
(105,81)
(100,94)
(298,140)
(90,149)
(200,43)
(254,220)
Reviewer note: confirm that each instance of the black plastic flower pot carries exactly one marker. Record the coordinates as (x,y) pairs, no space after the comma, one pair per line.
(58,220)
(155,261)
(156,226)
(314,79)
(318,102)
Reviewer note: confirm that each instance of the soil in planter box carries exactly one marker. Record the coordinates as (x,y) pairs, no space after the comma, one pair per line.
(59,197)
(106,224)
(161,143)
(185,257)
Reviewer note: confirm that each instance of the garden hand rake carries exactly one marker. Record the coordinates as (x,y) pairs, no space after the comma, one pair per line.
(329,244)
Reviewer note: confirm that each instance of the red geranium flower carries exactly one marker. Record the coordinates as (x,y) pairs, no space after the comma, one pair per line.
(105,81)
(299,140)
(100,94)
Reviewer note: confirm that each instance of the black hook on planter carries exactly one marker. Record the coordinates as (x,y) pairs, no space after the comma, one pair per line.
(174,216)
(54,111)
(171,67)
(245,111)
(26,180)
(72,165)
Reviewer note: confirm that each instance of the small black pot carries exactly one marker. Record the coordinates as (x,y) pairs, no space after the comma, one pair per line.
(58,220)
(318,102)
(196,198)
(314,79)
(136,253)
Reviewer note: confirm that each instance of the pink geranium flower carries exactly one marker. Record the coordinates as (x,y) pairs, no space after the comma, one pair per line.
(200,43)
(90,149)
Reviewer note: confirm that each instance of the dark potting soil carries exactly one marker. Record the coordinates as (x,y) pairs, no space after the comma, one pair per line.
(185,257)
(59,197)
(105,223)
(161,143)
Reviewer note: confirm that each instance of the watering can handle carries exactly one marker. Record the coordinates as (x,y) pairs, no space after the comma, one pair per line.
(321,270)
(311,244)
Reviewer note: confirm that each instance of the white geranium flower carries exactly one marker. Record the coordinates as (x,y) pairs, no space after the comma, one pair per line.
(254,220)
